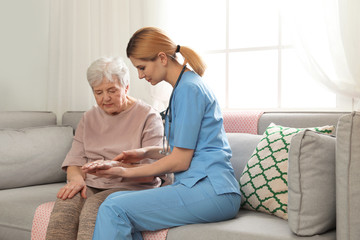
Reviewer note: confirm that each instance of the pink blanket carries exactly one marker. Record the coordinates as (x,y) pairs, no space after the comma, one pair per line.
(42,217)
(241,121)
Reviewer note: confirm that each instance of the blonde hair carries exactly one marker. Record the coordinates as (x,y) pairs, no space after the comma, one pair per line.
(146,43)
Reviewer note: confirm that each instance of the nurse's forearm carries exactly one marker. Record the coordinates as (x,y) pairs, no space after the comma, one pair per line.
(179,160)
(155,152)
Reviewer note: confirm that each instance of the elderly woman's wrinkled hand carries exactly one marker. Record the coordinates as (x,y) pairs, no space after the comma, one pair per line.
(72,188)
(94,166)
(111,173)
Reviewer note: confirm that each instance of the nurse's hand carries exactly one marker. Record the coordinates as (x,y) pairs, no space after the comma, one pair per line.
(136,155)
(113,169)
(131,156)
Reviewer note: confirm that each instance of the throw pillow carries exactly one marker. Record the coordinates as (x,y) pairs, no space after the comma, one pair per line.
(32,156)
(311,202)
(263,183)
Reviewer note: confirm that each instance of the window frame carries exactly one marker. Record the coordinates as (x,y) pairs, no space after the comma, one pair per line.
(342,103)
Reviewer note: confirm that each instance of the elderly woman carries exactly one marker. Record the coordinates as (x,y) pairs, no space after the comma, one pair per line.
(118,122)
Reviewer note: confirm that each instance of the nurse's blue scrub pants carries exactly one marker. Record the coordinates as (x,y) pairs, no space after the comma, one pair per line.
(123,215)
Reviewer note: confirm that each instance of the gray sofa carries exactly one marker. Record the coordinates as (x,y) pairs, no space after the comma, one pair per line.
(33,146)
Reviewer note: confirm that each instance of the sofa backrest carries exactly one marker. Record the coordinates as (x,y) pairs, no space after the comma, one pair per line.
(299,119)
(288,119)
(24,119)
(242,147)
(72,118)
(243,144)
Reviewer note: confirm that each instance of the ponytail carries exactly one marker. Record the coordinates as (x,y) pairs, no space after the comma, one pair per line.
(147,42)
(193,59)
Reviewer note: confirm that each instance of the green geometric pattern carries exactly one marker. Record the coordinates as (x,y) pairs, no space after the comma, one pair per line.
(263,183)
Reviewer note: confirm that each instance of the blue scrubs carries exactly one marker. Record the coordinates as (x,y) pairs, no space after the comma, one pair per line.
(206,192)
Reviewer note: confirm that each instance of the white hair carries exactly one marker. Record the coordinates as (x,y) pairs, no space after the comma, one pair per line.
(108,67)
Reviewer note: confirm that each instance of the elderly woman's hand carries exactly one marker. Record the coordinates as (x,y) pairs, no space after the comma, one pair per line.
(94,166)
(105,168)
(72,188)
(114,169)
(75,184)
(114,172)
(117,172)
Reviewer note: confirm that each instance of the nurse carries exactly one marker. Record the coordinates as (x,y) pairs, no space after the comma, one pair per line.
(196,150)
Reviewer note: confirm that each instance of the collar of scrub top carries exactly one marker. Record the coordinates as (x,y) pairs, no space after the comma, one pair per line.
(167,112)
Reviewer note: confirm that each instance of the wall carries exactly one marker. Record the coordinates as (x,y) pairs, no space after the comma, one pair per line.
(25,83)
(24,54)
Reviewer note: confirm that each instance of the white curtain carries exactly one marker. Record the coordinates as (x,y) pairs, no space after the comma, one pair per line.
(82,31)
(154,13)
(328,37)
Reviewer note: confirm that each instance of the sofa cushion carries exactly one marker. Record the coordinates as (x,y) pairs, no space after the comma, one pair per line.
(247,225)
(263,183)
(311,182)
(298,119)
(348,177)
(32,156)
(18,207)
(24,119)
(242,146)
(72,118)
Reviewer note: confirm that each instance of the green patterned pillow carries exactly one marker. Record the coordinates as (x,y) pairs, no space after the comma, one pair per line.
(263,183)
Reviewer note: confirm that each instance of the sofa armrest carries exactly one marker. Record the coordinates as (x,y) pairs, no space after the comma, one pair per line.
(348,177)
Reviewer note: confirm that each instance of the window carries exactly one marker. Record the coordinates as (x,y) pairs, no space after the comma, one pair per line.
(248,49)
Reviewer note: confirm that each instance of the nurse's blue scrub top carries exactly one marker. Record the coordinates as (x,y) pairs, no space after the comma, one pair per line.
(197,124)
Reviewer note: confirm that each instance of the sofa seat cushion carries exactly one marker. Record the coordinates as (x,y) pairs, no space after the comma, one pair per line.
(248,225)
(18,207)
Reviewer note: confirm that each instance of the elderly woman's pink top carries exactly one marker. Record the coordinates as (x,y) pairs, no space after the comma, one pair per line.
(103,136)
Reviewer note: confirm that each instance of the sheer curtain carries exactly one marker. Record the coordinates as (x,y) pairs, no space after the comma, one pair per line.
(82,31)
(154,13)
(327,40)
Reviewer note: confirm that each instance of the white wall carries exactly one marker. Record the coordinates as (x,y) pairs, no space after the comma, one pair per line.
(24,55)
(24,26)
